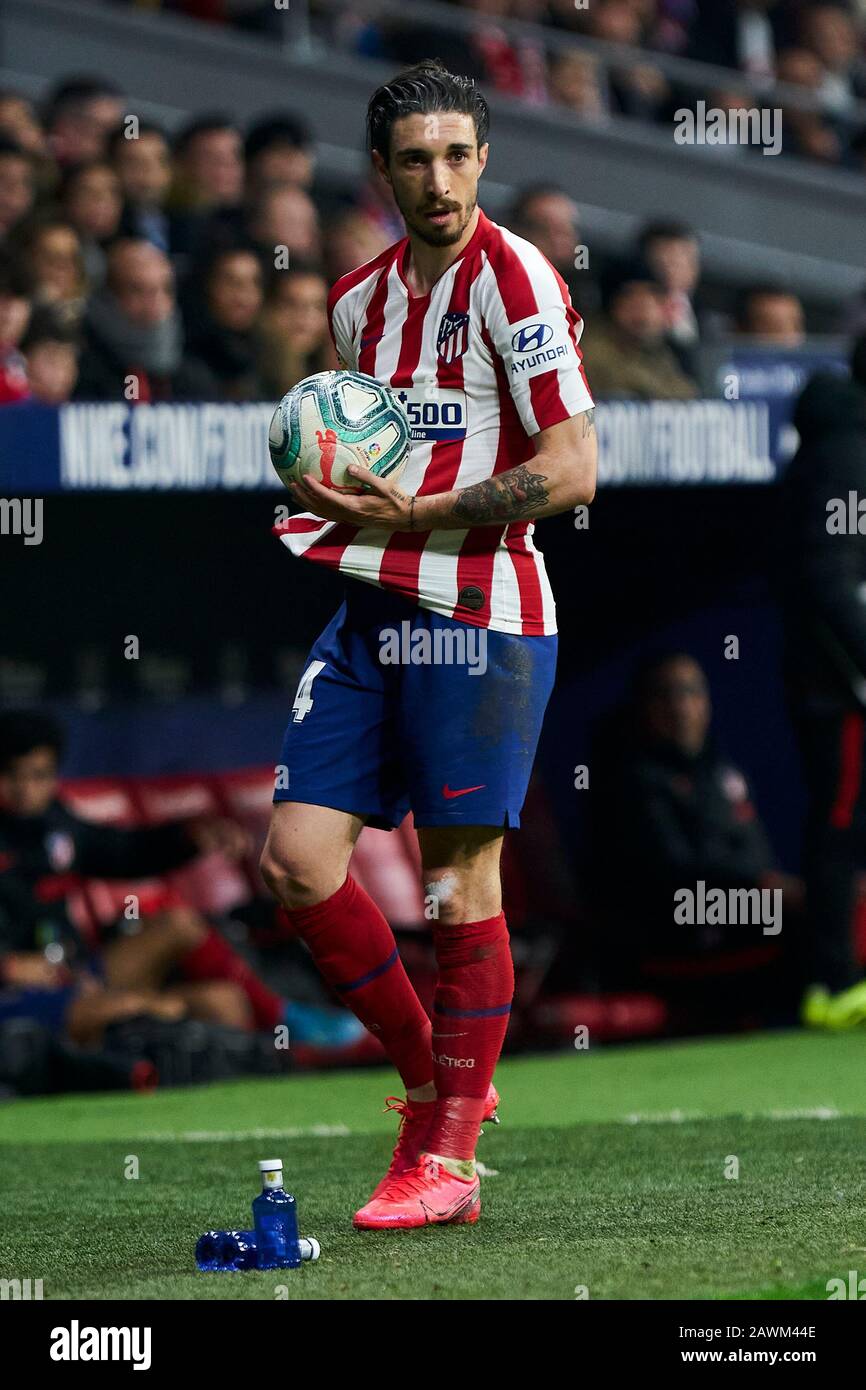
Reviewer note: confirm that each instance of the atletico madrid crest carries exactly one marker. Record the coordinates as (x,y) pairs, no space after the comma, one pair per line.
(452,339)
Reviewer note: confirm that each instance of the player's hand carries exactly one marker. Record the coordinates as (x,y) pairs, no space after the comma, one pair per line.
(384,505)
(211,833)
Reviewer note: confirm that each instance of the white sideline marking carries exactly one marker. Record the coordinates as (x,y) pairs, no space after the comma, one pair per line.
(678,1117)
(224,1136)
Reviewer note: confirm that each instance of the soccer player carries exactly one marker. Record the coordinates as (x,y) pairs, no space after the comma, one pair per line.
(475,332)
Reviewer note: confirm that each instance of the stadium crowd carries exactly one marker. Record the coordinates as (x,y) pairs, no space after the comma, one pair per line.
(147,267)
(816,46)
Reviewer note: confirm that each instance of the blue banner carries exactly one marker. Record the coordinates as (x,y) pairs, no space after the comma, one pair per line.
(204,448)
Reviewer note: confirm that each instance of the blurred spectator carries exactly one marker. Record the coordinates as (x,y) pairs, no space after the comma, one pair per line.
(284,216)
(673,254)
(143,167)
(133,338)
(626,353)
(545,215)
(92,202)
(295,338)
(576,82)
(16,294)
(20,123)
(823,578)
(512,65)
(17,185)
(209,165)
(279,149)
(771,314)
(671,812)
(164,964)
(50,248)
(50,349)
(352,240)
(80,114)
(738,34)
(636,89)
(831,34)
(223,323)
(806,133)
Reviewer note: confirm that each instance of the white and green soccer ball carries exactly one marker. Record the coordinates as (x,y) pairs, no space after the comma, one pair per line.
(334,419)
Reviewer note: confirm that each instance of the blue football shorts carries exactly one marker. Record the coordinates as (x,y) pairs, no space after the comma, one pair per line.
(400,708)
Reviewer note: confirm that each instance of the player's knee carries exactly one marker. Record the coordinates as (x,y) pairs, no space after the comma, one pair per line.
(444,897)
(298,880)
(452,897)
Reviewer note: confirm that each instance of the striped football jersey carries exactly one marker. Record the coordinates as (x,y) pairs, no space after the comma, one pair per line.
(482,363)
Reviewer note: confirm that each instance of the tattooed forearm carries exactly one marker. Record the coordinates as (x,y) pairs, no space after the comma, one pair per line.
(588,422)
(514,494)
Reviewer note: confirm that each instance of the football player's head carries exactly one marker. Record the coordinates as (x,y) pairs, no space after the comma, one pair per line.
(427,131)
(31,745)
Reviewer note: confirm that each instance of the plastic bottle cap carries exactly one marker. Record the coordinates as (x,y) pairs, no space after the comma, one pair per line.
(270,1165)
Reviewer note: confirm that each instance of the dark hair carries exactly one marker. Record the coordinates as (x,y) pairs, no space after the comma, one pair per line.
(769,289)
(46,326)
(664,231)
(297,269)
(649,667)
(621,274)
(426,88)
(16,278)
(22,730)
(519,214)
(75,93)
(202,125)
(270,131)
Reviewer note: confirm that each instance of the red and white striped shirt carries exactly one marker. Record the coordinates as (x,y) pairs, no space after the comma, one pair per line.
(483,362)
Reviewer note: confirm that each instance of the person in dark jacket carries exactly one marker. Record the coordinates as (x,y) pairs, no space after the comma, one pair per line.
(824,599)
(133,337)
(223,323)
(669,813)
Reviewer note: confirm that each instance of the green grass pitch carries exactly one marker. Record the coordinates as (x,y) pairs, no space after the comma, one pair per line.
(609,1175)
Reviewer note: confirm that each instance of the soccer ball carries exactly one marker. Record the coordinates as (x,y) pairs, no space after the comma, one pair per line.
(333,419)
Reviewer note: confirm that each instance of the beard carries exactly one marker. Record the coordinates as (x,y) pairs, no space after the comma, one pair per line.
(438,236)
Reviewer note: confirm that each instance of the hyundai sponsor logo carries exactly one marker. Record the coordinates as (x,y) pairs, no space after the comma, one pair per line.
(531,337)
(524,365)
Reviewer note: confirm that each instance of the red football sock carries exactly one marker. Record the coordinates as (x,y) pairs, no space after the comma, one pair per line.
(354,949)
(470,1016)
(214,959)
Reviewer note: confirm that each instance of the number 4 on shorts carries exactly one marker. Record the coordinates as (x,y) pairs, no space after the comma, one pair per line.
(304,698)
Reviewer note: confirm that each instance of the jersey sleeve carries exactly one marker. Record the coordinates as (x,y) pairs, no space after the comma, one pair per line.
(340,327)
(535,330)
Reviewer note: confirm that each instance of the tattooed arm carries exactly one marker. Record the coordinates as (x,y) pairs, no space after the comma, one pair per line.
(560,477)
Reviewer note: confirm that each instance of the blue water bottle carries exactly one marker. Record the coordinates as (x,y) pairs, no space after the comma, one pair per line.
(275,1218)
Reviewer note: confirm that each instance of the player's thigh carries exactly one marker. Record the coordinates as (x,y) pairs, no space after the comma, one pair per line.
(307,850)
(471,718)
(339,748)
(461,871)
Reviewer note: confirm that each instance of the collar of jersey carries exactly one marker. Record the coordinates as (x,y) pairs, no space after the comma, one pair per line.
(482,227)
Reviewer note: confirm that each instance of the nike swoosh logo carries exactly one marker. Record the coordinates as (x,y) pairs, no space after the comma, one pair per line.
(461,791)
(368,342)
